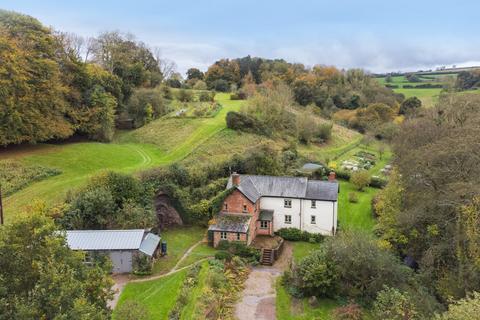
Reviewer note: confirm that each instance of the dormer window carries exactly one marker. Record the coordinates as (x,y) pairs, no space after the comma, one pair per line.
(287,203)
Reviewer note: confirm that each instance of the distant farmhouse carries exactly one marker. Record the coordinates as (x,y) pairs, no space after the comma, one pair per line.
(261,205)
(120,245)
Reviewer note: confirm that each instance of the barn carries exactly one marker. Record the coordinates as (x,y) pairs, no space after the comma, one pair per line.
(120,245)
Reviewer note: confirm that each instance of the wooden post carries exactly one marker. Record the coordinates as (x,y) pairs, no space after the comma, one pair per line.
(1,206)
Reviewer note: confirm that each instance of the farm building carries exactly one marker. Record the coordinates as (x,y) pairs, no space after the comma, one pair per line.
(261,205)
(120,245)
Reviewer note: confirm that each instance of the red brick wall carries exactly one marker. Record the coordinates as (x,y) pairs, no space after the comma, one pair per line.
(235,202)
(268,231)
(231,236)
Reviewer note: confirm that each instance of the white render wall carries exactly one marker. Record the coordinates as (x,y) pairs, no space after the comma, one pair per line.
(301,212)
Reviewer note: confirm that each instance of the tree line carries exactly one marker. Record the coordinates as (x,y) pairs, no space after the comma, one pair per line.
(55,84)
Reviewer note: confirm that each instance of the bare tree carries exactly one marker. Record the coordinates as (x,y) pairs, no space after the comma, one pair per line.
(167,67)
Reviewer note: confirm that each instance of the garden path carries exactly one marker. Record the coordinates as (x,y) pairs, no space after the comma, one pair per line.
(258,297)
(120,280)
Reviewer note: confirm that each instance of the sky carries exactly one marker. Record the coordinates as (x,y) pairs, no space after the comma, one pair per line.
(379,36)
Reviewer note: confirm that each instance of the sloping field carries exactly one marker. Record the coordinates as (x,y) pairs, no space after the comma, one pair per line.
(162,142)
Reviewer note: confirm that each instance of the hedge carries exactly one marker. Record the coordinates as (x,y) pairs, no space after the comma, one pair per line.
(294,234)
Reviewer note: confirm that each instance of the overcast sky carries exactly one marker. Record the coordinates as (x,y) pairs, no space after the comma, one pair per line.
(376,35)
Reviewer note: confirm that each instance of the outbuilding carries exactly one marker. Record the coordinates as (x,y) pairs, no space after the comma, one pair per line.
(120,245)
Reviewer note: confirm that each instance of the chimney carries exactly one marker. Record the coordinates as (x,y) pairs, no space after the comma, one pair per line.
(332,177)
(235,179)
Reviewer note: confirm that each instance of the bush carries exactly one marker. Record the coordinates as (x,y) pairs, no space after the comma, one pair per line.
(238,96)
(391,304)
(206,96)
(200,85)
(345,175)
(410,105)
(325,131)
(223,255)
(220,85)
(351,311)
(142,265)
(377,182)
(294,234)
(244,122)
(352,197)
(238,249)
(360,179)
(185,95)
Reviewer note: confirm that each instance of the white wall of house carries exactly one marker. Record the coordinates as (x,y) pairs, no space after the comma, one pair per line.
(301,211)
(280,211)
(324,213)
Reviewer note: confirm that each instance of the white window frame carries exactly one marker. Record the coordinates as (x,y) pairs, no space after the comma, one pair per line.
(288,219)
(313,219)
(313,204)
(287,203)
(223,235)
(263,222)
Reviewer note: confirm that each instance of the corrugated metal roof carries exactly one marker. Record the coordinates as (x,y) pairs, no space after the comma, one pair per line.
(254,187)
(105,239)
(150,244)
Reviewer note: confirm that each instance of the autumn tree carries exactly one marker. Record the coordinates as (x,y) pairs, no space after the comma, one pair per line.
(40,278)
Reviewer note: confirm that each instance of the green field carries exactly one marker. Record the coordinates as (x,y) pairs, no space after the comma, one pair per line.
(162,142)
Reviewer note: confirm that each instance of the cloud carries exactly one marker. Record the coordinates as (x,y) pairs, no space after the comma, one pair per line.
(366,51)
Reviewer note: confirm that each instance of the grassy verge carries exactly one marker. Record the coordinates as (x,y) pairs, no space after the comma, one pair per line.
(158,296)
(189,309)
(201,251)
(179,240)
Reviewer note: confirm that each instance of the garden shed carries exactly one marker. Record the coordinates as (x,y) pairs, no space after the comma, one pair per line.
(120,245)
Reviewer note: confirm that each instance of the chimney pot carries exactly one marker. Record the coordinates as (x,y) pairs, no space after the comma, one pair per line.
(235,179)
(332,176)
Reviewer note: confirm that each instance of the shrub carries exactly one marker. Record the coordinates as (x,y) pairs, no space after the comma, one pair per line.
(200,85)
(245,122)
(223,255)
(142,265)
(294,234)
(464,309)
(341,174)
(391,304)
(185,95)
(377,182)
(238,96)
(410,105)
(206,96)
(238,249)
(351,311)
(220,85)
(316,275)
(360,179)
(352,197)
(325,131)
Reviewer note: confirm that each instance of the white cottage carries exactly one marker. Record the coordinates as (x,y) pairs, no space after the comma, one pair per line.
(261,205)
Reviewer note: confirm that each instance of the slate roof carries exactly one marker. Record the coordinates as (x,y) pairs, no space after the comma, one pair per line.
(236,222)
(254,187)
(133,239)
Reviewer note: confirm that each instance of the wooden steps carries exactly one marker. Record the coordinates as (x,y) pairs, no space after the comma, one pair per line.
(267,257)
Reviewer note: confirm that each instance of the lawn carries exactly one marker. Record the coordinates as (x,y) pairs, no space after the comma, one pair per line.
(203,250)
(158,296)
(302,249)
(179,240)
(289,308)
